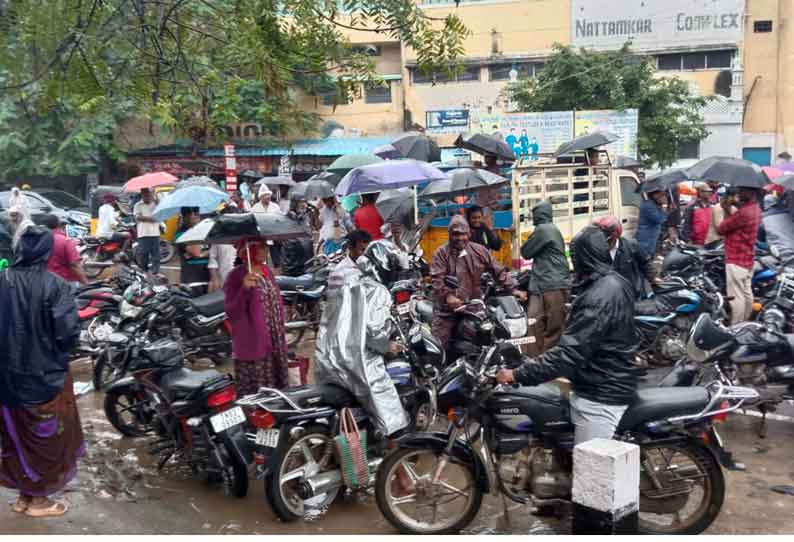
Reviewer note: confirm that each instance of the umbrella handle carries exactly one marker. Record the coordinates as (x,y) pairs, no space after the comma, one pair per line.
(248,255)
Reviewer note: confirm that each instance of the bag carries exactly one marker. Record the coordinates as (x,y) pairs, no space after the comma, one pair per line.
(351,448)
(298,371)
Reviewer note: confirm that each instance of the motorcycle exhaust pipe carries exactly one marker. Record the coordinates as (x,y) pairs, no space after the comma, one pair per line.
(327,481)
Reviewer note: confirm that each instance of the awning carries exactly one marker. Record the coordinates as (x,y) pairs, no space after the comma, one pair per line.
(333,146)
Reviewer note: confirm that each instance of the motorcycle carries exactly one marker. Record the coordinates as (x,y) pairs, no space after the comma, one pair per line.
(295,431)
(777,310)
(190,413)
(99,253)
(526,450)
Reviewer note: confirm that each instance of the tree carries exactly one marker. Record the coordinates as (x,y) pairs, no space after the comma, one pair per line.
(668,113)
(194,66)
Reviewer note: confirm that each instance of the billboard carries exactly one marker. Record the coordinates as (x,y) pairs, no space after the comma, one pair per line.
(447,121)
(656,24)
(529,133)
(620,123)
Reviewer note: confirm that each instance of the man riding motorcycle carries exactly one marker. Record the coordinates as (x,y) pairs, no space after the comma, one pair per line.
(354,337)
(596,352)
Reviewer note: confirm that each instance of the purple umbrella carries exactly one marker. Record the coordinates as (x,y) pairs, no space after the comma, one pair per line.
(389,174)
(387,152)
(787,167)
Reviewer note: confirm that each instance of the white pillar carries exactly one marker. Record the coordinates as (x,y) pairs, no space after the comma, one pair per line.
(606,487)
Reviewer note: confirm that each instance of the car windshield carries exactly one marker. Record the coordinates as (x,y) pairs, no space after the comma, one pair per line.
(35,202)
(63,199)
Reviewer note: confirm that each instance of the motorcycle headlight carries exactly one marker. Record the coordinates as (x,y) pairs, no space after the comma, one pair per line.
(128,310)
(517,327)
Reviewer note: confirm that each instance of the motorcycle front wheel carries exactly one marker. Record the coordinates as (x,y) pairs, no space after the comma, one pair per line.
(89,255)
(297,311)
(129,412)
(682,489)
(414,504)
(108,368)
(301,458)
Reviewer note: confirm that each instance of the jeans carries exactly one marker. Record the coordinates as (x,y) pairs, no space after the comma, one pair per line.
(594,420)
(150,253)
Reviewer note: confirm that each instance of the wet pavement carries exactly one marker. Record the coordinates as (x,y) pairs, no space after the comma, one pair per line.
(119,491)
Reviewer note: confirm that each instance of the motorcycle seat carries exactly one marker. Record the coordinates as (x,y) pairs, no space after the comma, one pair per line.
(424,308)
(182,381)
(210,304)
(651,404)
(295,283)
(325,395)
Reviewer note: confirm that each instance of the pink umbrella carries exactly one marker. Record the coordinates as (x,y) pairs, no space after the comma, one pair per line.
(772,172)
(150,180)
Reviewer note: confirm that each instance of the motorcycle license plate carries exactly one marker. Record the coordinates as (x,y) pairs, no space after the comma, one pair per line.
(115,319)
(405,308)
(267,437)
(227,419)
(522,340)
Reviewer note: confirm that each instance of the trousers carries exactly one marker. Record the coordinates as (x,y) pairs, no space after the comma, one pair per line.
(150,253)
(546,313)
(738,285)
(594,420)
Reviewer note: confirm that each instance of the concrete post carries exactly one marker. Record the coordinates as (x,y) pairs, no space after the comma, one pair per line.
(606,487)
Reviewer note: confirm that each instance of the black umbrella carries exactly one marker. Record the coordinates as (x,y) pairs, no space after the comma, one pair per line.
(230,228)
(417,146)
(485,144)
(196,181)
(731,171)
(275,181)
(786,181)
(664,180)
(463,180)
(250,173)
(625,162)
(587,141)
(395,204)
(311,190)
(328,177)
(387,152)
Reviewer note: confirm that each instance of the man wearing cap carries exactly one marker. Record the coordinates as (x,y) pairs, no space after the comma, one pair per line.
(64,259)
(467,261)
(265,205)
(698,216)
(783,158)
(107,222)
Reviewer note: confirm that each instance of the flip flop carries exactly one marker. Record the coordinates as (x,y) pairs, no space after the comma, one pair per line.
(20,506)
(56,509)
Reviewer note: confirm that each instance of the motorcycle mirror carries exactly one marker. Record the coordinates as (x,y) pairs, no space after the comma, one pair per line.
(451,281)
(774,251)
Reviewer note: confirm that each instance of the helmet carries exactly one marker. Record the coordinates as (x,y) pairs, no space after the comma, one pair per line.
(381,259)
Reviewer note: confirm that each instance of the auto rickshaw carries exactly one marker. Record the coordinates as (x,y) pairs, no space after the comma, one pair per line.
(124,201)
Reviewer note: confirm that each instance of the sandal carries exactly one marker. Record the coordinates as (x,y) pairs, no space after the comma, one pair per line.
(54,510)
(21,505)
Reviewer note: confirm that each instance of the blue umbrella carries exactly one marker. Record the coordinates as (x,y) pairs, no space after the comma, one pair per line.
(388,174)
(205,198)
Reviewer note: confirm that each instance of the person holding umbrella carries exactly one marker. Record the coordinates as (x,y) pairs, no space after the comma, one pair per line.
(697,217)
(335,224)
(148,230)
(480,232)
(653,215)
(740,229)
(255,309)
(193,259)
(367,217)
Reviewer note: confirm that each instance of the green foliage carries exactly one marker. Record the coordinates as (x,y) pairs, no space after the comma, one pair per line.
(580,79)
(192,66)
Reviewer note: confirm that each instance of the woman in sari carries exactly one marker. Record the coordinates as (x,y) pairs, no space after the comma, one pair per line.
(256,312)
(41,439)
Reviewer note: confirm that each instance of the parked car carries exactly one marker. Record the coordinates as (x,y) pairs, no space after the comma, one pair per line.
(40,205)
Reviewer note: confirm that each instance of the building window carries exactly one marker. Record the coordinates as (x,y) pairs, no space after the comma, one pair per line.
(470,73)
(711,60)
(378,94)
(762,27)
(688,150)
(501,72)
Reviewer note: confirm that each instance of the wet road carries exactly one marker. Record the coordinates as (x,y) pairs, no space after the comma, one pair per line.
(118,491)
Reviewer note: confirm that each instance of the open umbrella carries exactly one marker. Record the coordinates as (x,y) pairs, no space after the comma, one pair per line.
(327,176)
(587,141)
(228,229)
(485,144)
(786,167)
(150,180)
(417,146)
(205,198)
(395,204)
(250,174)
(625,162)
(390,174)
(275,181)
(463,180)
(311,190)
(730,171)
(199,180)
(663,180)
(345,163)
(772,172)
(387,152)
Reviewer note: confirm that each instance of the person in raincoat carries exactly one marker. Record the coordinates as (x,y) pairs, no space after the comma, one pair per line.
(40,433)
(550,281)
(596,352)
(777,225)
(20,201)
(467,261)
(354,337)
(653,215)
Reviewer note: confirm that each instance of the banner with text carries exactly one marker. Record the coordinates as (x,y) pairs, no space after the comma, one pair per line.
(620,123)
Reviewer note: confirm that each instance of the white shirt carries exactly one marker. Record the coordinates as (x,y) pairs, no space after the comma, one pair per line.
(272,208)
(327,219)
(222,258)
(107,221)
(146,229)
(614,250)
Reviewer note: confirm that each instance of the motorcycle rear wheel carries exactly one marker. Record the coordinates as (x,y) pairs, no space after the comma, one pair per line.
(295,312)
(687,469)
(91,271)
(125,409)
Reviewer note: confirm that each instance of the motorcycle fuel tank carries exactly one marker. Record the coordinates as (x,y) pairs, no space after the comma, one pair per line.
(537,409)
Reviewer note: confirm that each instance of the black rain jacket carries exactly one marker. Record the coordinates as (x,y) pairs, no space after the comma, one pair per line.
(38,325)
(596,351)
(546,248)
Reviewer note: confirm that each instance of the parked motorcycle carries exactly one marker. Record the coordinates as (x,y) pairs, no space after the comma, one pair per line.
(527,445)
(190,413)
(296,430)
(99,253)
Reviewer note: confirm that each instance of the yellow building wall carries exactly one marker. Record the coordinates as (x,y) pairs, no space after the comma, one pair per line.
(760,67)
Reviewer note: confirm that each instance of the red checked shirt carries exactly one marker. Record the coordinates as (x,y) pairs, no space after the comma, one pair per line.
(741,231)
